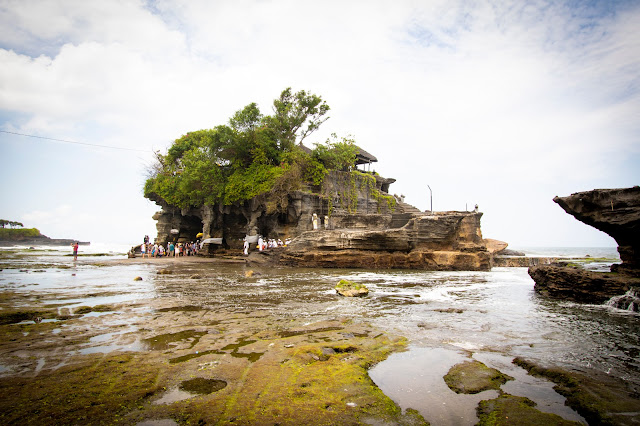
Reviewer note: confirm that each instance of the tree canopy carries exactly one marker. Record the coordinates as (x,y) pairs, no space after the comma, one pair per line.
(11,223)
(252,155)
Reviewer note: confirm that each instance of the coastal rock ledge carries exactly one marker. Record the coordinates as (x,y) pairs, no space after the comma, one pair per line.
(615,212)
(440,241)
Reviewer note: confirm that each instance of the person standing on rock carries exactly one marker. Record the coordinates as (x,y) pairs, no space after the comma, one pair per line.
(172,249)
(75,250)
(260,243)
(143,249)
(314,220)
(246,247)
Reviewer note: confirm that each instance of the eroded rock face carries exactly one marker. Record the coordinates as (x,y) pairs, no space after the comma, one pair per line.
(615,212)
(355,227)
(444,241)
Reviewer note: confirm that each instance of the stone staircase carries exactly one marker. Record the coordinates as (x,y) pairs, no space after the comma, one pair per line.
(404,213)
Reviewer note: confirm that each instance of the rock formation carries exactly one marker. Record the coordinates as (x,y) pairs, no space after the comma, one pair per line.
(358,225)
(616,212)
(441,241)
(579,285)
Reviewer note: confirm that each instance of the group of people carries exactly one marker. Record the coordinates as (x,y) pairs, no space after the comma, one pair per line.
(266,243)
(170,250)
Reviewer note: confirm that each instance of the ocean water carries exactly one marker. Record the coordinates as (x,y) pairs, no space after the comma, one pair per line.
(447,317)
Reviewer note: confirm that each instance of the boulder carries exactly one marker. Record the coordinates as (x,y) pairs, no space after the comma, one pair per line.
(350,289)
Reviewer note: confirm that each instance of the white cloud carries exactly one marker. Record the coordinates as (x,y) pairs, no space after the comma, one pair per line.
(485,101)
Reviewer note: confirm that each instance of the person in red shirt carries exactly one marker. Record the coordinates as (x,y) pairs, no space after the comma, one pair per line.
(75,250)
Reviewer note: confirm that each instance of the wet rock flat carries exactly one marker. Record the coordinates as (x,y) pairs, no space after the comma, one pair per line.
(234,366)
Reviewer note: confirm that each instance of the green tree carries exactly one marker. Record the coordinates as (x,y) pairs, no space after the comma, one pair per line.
(249,156)
(296,116)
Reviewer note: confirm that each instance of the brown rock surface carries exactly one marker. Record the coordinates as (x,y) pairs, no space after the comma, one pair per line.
(444,241)
(580,285)
(615,212)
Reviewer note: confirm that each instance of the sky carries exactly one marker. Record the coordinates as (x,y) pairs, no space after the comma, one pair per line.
(504,104)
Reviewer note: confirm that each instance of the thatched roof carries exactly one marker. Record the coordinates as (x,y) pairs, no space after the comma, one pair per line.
(363,157)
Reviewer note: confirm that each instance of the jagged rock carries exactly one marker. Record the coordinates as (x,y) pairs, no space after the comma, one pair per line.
(630,301)
(580,285)
(615,212)
(495,246)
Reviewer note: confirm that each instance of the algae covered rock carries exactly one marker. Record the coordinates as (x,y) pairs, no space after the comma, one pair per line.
(473,377)
(350,289)
(515,410)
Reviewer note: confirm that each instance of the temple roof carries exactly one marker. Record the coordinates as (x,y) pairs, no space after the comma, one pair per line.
(363,157)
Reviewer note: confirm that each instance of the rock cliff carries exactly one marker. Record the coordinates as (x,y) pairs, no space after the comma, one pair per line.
(357,224)
(442,241)
(616,212)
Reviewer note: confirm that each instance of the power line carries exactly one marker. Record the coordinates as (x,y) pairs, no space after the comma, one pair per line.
(74,142)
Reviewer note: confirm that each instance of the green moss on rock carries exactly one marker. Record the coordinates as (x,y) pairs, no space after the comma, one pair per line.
(351,289)
(515,410)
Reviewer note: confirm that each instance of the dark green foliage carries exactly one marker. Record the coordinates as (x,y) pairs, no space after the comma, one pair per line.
(18,234)
(11,223)
(251,156)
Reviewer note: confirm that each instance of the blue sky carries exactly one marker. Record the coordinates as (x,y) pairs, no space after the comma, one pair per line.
(501,103)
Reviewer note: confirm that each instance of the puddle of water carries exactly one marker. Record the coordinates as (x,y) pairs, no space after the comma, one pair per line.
(202,386)
(414,379)
(133,347)
(173,395)
(41,362)
(166,341)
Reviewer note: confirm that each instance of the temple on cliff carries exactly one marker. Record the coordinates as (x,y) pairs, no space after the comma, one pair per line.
(358,224)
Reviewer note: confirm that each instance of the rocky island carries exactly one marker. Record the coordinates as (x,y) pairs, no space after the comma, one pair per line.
(32,237)
(617,213)
(254,178)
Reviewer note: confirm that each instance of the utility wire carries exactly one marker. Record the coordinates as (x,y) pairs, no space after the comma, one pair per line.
(74,142)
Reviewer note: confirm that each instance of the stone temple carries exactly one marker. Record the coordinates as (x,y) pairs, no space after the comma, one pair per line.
(351,220)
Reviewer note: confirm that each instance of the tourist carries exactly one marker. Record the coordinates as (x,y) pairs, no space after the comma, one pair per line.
(246,247)
(160,250)
(75,250)
(143,249)
(172,249)
(314,221)
(260,242)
